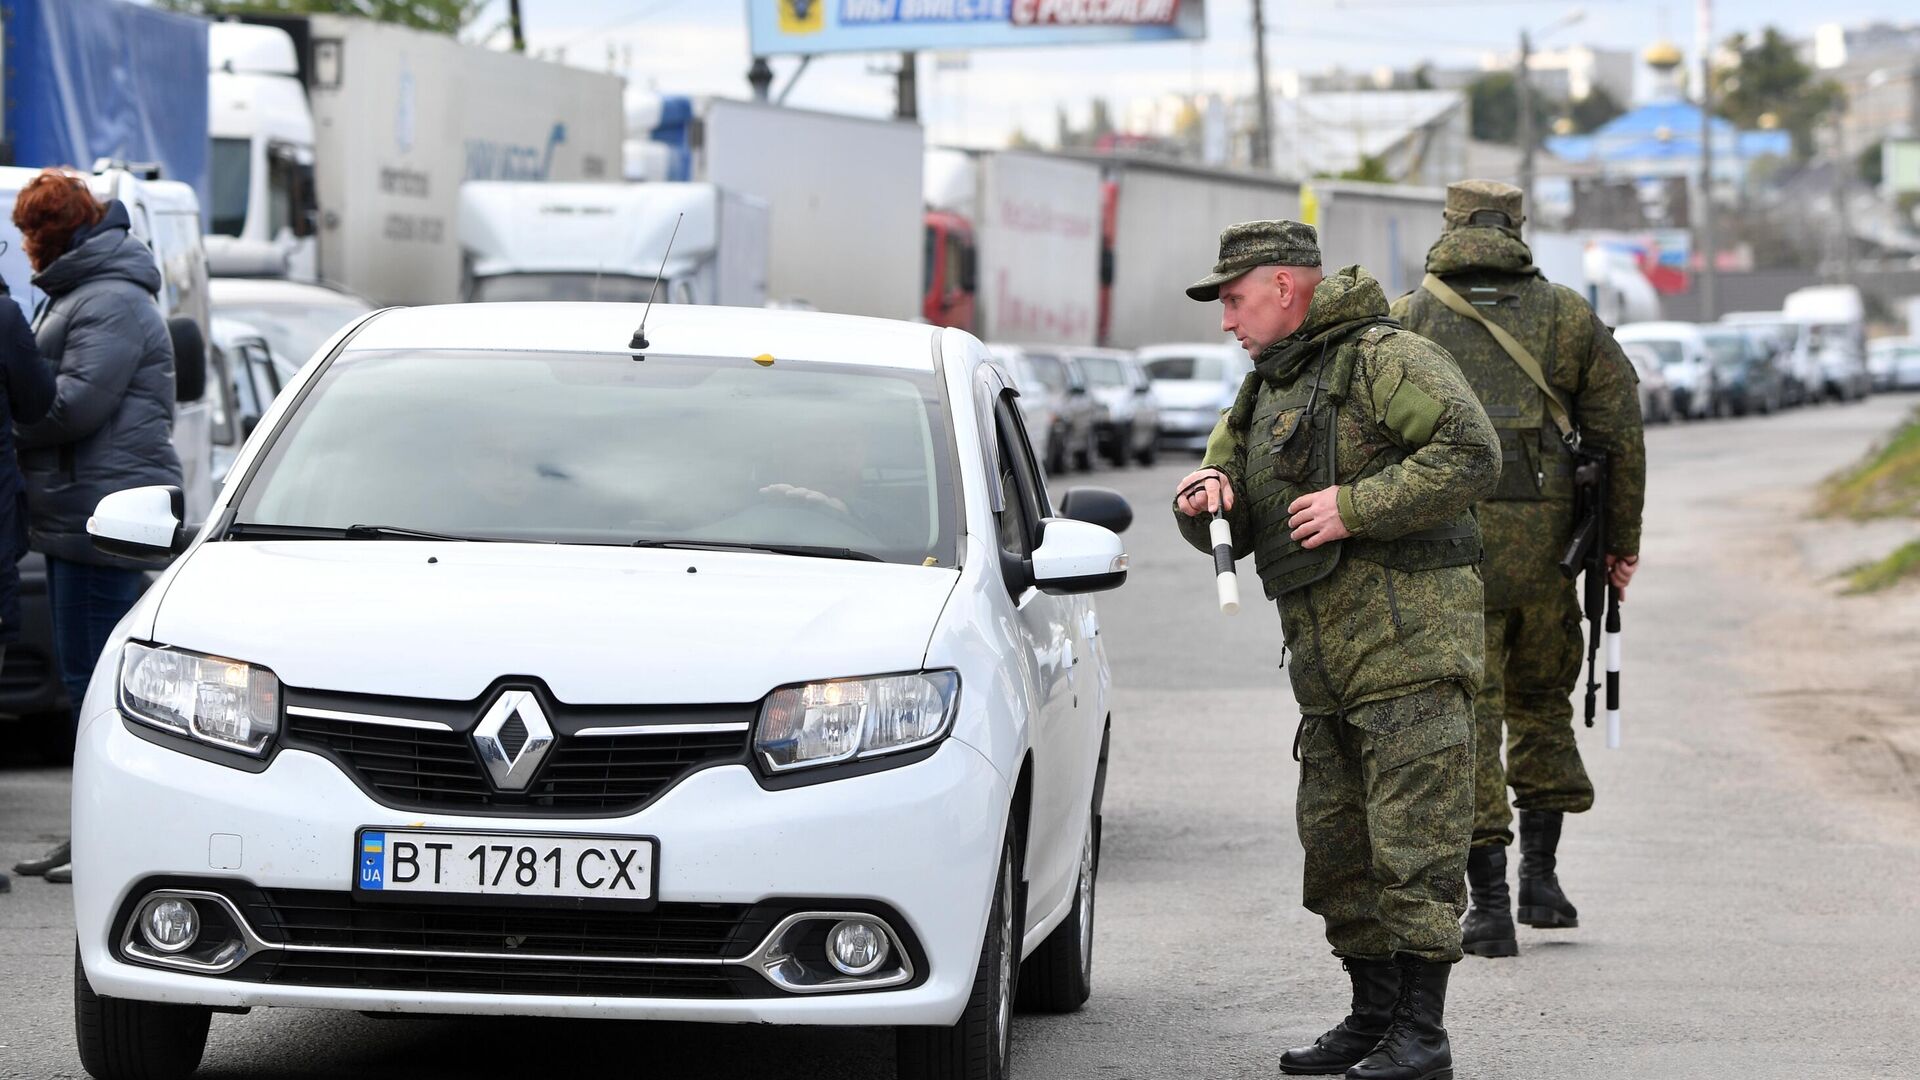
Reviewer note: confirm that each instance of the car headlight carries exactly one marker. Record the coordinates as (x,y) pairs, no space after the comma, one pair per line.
(822,723)
(221,703)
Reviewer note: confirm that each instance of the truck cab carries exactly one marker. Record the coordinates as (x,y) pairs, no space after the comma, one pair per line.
(260,166)
(949,271)
(612,242)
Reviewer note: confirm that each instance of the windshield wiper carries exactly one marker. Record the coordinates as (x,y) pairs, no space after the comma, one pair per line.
(329,532)
(812,551)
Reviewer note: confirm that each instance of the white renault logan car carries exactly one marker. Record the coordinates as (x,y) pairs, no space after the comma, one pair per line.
(745,675)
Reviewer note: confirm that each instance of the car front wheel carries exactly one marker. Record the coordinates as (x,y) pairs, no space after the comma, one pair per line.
(1058,977)
(136,1040)
(978,1047)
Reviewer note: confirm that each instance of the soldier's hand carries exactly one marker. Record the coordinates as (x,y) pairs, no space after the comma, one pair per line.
(1204,491)
(1315,518)
(1620,570)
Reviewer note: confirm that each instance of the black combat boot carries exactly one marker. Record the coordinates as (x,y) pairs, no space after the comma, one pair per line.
(1488,928)
(1415,1047)
(1376,986)
(1542,904)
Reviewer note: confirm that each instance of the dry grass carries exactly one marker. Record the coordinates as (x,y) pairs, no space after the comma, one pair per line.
(1886,484)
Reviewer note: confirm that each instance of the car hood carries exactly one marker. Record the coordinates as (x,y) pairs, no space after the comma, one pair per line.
(599,626)
(1192,393)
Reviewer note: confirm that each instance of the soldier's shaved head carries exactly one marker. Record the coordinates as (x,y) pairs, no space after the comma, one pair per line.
(1267,304)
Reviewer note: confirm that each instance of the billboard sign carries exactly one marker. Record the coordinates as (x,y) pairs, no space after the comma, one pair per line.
(780,27)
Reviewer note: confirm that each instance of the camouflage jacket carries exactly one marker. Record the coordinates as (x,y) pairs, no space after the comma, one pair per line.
(1396,608)
(1529,517)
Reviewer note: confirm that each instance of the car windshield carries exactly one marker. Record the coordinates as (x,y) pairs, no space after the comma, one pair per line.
(1049,370)
(600,449)
(1669,352)
(1177,368)
(612,288)
(295,331)
(1104,370)
(1726,350)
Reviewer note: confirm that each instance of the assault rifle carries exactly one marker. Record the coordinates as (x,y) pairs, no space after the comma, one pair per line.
(1586,557)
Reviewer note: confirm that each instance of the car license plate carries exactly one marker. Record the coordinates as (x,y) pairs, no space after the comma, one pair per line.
(506,864)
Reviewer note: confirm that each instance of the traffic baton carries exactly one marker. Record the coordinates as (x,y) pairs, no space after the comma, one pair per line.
(1613,668)
(1224,578)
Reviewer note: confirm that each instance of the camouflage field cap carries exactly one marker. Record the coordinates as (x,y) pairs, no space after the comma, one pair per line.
(1257,243)
(1468,197)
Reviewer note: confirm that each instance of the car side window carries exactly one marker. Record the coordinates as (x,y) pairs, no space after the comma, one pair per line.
(1024,497)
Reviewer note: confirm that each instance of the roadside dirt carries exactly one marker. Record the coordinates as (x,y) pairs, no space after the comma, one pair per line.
(1837,675)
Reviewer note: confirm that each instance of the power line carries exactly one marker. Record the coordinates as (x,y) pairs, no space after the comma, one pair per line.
(643,14)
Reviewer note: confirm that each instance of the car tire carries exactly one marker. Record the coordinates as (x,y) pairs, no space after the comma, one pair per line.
(1083,457)
(1150,452)
(1122,442)
(978,1047)
(49,735)
(136,1040)
(1058,977)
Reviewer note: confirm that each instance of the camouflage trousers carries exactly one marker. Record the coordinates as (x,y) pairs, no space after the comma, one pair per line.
(1385,814)
(1525,704)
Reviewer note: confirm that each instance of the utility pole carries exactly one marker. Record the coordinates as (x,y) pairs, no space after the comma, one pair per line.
(760,77)
(1843,261)
(513,23)
(1523,84)
(1703,215)
(906,88)
(1263,134)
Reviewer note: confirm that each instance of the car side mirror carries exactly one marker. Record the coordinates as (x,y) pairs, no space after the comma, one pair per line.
(189,358)
(1078,557)
(1097,506)
(141,523)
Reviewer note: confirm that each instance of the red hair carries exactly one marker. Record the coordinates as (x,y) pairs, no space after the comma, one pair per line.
(49,210)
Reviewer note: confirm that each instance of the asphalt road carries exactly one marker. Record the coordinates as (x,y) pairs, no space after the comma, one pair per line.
(1742,914)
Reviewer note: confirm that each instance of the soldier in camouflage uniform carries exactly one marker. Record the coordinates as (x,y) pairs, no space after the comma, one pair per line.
(1347,467)
(1533,643)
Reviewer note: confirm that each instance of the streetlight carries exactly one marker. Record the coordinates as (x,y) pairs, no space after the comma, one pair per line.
(1525,86)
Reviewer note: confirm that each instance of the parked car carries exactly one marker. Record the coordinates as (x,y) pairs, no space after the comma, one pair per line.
(1749,377)
(1193,383)
(1803,381)
(245,379)
(1656,397)
(1683,360)
(819,739)
(1046,373)
(1130,430)
(295,318)
(1894,363)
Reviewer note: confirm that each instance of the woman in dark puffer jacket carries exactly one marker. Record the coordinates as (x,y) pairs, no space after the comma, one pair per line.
(111,423)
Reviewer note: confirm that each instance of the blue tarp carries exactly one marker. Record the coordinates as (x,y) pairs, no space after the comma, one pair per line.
(87,79)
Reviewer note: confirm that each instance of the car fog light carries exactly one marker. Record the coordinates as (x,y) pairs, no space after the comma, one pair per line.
(857,947)
(169,924)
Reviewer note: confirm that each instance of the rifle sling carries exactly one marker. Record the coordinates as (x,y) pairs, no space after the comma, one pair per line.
(1459,306)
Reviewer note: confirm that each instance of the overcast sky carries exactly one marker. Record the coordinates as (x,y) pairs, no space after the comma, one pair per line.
(700,47)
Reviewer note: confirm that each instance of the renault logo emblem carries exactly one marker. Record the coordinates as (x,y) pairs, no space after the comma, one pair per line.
(513,738)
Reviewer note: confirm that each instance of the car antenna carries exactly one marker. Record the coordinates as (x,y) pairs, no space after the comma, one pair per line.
(640,336)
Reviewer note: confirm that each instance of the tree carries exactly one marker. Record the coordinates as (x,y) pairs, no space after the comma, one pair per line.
(1870,166)
(1594,110)
(1020,140)
(1495,101)
(443,16)
(1771,78)
(1371,169)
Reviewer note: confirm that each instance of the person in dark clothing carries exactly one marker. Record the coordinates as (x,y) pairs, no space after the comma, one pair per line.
(110,426)
(26,390)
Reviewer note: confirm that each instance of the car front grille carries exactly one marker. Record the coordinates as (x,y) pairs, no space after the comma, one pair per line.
(684,931)
(433,768)
(603,952)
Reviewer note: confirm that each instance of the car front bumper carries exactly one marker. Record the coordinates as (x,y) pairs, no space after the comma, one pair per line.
(921,840)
